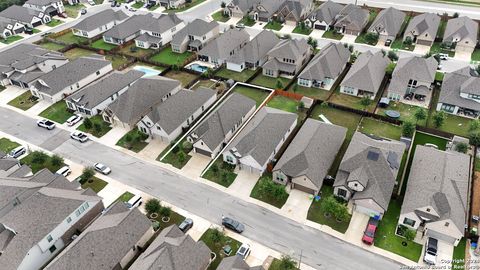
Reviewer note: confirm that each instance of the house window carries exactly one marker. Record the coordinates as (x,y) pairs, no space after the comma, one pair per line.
(342,192)
(49,238)
(448,108)
(409,222)
(52,249)
(69,219)
(473,96)
(77,213)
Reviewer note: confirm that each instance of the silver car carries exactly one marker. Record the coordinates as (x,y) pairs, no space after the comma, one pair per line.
(101,168)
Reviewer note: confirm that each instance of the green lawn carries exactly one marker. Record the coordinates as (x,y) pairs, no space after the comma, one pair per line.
(134,140)
(102,45)
(70,38)
(10,39)
(138,5)
(24,102)
(350,101)
(166,56)
(77,53)
(439,76)
(476,55)
(379,128)
(247,21)
(135,51)
(6,145)
(398,44)
(217,246)
(436,48)
(302,31)
(276,265)
(96,184)
(262,192)
(270,82)
(220,17)
(117,60)
(237,76)
(186,6)
(125,197)
(223,176)
(454,124)
(316,93)
(73,10)
(57,112)
(184,77)
(385,237)
(104,127)
(174,157)
(332,35)
(273,25)
(284,103)
(406,111)
(316,214)
(36,166)
(51,46)
(459,255)
(54,22)
(258,95)
(441,28)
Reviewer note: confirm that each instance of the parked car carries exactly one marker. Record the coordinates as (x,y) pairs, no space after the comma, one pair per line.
(233,224)
(74,119)
(45,123)
(369,234)
(244,251)
(28,31)
(101,168)
(118,4)
(132,9)
(17,152)
(79,136)
(443,56)
(388,42)
(65,171)
(186,225)
(240,25)
(91,2)
(114,4)
(83,11)
(431,249)
(134,202)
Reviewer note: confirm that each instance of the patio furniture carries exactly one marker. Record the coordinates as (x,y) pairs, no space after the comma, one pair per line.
(392,114)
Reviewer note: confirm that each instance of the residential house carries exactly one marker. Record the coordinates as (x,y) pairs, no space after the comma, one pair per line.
(50,7)
(387,24)
(265,10)
(351,20)
(218,128)
(325,67)
(436,199)
(459,94)
(9,27)
(306,161)
(259,141)
(39,215)
(157,32)
(169,4)
(125,31)
(170,118)
(254,53)
(21,65)
(26,16)
(69,78)
(324,17)
(98,23)
(368,173)
(240,8)
(140,99)
(287,58)
(412,79)
(461,33)
(94,98)
(422,29)
(110,242)
(194,36)
(175,250)
(224,46)
(295,11)
(366,75)
(236,263)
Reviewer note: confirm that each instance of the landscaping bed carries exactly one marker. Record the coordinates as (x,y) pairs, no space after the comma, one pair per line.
(77,53)
(221,173)
(270,82)
(317,214)
(258,95)
(57,112)
(269,192)
(380,129)
(164,216)
(39,160)
(24,102)
(134,140)
(184,77)
(179,156)
(98,127)
(7,145)
(215,241)
(236,76)
(168,57)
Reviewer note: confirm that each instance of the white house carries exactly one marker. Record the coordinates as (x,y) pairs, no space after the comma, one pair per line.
(156,32)
(50,7)
(9,27)
(26,16)
(98,23)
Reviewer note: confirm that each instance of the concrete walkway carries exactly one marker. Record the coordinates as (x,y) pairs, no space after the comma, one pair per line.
(39,107)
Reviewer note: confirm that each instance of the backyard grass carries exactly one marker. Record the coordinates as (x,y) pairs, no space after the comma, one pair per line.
(182,76)
(96,184)
(10,39)
(302,30)
(76,53)
(57,112)
(24,102)
(70,38)
(51,46)
(459,255)
(218,86)
(380,129)
(284,103)
(236,76)
(273,25)
(258,95)
(134,140)
(117,60)
(316,214)
(135,51)
(217,246)
(6,145)
(73,10)
(102,45)
(266,195)
(174,157)
(221,173)
(36,166)
(398,44)
(311,92)
(219,16)
(406,111)
(186,6)
(102,126)
(270,82)
(331,34)
(54,22)
(168,57)
(138,5)
(386,238)
(454,124)
(351,102)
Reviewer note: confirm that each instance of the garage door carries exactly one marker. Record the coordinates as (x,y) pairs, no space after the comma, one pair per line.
(441,237)
(424,42)
(366,211)
(320,27)
(203,152)
(303,188)
(37,23)
(53,13)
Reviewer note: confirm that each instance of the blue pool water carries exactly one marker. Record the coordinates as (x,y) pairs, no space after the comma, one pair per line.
(148,71)
(198,68)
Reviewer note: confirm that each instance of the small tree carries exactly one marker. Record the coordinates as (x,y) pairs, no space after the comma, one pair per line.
(56,160)
(474,125)
(287,263)
(408,41)
(310,40)
(365,101)
(181,156)
(420,114)
(87,123)
(216,236)
(389,69)
(87,174)
(223,5)
(461,147)
(301,105)
(371,38)
(455,15)
(341,212)
(409,234)
(328,205)
(314,44)
(152,206)
(439,119)
(97,127)
(39,157)
(165,211)
(392,55)
(128,139)
(474,137)
(408,128)
(279,84)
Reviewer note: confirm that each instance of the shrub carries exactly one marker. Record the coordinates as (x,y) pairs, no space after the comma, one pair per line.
(474,137)
(165,211)
(217,236)
(392,55)
(439,119)
(153,206)
(409,234)
(408,41)
(56,160)
(365,102)
(389,69)
(97,127)
(87,123)
(181,156)
(39,157)
(371,38)
(287,263)
(408,128)
(461,147)
(87,174)
(420,114)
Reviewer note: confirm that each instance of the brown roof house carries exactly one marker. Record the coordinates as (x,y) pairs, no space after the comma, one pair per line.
(351,20)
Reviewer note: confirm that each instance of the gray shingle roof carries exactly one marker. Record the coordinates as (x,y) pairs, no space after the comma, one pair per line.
(262,134)
(461,28)
(289,48)
(367,72)
(425,23)
(161,24)
(244,5)
(235,263)
(220,47)
(173,250)
(19,13)
(24,52)
(99,19)
(256,49)
(412,68)
(174,111)
(41,2)
(146,22)
(214,129)
(266,8)
(312,151)
(328,63)
(69,74)
(390,20)
(8,163)
(140,98)
(106,241)
(198,27)
(353,17)
(328,11)
(99,91)
(439,179)
(463,80)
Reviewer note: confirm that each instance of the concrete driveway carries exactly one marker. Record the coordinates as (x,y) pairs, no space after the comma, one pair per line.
(349,38)
(444,255)
(355,230)
(259,25)
(317,33)
(153,149)
(112,137)
(195,165)
(297,205)
(10,93)
(243,184)
(421,49)
(287,29)
(465,56)
(39,107)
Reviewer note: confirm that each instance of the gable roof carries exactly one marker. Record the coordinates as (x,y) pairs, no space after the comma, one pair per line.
(295,8)
(220,47)
(367,72)
(461,28)
(266,8)
(352,16)
(99,19)
(256,49)
(329,63)
(328,11)
(146,22)
(412,68)
(23,53)
(236,263)
(19,13)
(289,48)
(389,20)
(197,27)
(439,179)
(464,80)
(41,2)
(160,24)
(312,151)
(425,23)
(174,250)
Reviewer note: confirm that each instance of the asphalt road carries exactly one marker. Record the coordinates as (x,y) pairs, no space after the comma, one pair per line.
(319,250)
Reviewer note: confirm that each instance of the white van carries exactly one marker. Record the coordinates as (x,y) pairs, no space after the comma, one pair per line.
(65,171)
(17,152)
(134,202)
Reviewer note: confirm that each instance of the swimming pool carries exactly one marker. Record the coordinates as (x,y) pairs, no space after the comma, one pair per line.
(148,71)
(198,68)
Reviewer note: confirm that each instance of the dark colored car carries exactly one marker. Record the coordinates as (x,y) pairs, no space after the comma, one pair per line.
(388,42)
(233,224)
(186,225)
(369,234)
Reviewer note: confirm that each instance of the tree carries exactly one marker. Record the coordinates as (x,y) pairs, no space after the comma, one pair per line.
(389,69)
(39,157)
(97,127)
(474,125)
(365,101)
(329,204)
(439,119)
(279,84)
(165,211)
(214,168)
(152,206)
(314,44)
(392,55)
(409,234)
(128,139)
(295,88)
(408,41)
(223,5)
(455,15)
(474,137)
(216,236)
(287,263)
(371,38)
(301,105)
(310,40)
(181,156)
(420,114)
(87,123)
(461,147)
(341,212)
(87,174)
(408,128)
(56,160)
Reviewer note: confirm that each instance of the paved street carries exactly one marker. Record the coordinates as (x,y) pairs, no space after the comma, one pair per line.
(319,250)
